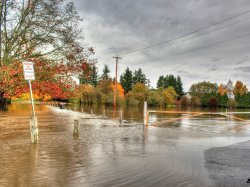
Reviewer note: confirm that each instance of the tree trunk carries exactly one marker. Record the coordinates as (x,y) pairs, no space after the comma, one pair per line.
(4,101)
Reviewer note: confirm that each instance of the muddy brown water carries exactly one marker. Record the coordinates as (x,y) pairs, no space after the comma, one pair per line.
(107,153)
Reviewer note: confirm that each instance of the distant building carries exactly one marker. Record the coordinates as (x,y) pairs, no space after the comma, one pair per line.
(230,89)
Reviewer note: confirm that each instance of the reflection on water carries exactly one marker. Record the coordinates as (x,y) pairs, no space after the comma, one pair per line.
(106,153)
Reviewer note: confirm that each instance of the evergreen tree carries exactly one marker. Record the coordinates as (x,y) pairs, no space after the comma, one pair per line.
(178,87)
(105,73)
(161,82)
(222,100)
(170,80)
(139,77)
(83,79)
(126,80)
(85,76)
(243,100)
(94,76)
(89,76)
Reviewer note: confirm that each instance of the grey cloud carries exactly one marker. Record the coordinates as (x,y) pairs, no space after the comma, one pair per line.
(182,72)
(245,69)
(116,26)
(245,59)
(215,59)
(212,69)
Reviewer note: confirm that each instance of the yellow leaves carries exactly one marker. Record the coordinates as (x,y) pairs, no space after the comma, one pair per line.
(103,93)
(86,92)
(46,97)
(36,96)
(139,88)
(26,96)
(170,95)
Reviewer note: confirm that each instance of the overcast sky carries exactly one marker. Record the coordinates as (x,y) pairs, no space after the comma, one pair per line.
(216,54)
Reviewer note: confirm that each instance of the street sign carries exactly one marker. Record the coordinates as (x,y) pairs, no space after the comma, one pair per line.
(28,70)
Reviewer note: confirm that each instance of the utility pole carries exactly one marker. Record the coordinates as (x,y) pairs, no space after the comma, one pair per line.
(116,68)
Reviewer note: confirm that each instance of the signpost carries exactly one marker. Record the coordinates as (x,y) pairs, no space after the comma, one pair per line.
(28,70)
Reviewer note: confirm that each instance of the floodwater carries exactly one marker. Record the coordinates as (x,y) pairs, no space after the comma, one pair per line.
(107,153)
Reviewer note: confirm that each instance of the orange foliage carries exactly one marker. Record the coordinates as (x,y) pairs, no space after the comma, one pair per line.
(10,77)
(120,89)
(53,81)
(222,90)
(239,88)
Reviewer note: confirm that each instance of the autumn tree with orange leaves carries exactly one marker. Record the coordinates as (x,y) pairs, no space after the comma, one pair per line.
(44,31)
(222,90)
(53,80)
(222,96)
(239,88)
(242,96)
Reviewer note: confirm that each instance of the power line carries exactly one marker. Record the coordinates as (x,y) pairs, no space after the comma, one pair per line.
(207,46)
(214,44)
(170,44)
(197,36)
(184,35)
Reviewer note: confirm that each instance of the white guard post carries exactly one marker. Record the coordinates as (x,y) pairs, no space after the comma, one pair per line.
(76,127)
(145,113)
(120,117)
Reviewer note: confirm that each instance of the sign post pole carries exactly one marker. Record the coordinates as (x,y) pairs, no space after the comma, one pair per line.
(31,99)
(29,75)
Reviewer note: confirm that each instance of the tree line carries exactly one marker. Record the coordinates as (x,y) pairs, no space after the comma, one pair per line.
(223,95)
(135,89)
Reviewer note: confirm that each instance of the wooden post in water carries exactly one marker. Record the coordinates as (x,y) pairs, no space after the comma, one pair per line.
(120,116)
(227,115)
(145,113)
(33,129)
(76,127)
(147,117)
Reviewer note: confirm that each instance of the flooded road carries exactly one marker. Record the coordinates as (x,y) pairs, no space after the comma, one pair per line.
(107,153)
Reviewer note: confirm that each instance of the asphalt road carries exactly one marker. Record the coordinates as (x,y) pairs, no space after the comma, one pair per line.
(230,165)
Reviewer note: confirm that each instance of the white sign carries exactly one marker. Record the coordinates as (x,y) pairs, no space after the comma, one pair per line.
(28,70)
